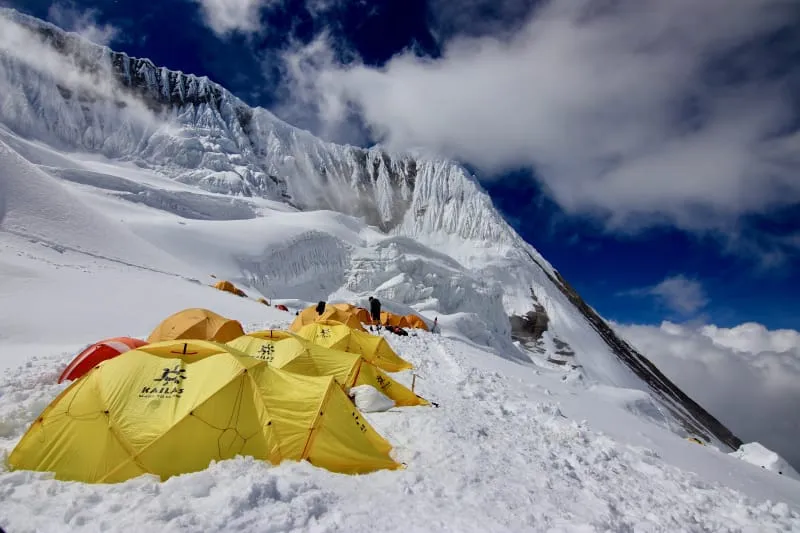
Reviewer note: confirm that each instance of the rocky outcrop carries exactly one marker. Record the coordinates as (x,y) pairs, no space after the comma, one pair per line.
(529,328)
(694,418)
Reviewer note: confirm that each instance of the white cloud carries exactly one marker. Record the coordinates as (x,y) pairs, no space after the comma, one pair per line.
(83,22)
(681,294)
(753,338)
(319,7)
(20,44)
(618,105)
(677,293)
(225,17)
(748,377)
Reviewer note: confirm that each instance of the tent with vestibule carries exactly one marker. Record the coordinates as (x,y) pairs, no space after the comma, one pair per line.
(172,407)
(373,348)
(293,353)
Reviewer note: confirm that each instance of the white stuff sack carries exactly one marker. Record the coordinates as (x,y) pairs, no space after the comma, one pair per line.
(369,399)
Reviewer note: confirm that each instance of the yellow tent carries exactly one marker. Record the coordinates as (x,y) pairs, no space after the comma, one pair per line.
(344,307)
(196,323)
(292,353)
(309,316)
(227,286)
(373,348)
(392,319)
(416,322)
(360,313)
(172,407)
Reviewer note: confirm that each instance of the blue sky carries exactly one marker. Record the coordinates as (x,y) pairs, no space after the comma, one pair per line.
(650,152)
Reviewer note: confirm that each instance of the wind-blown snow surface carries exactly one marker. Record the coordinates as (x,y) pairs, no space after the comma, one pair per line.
(759,455)
(514,445)
(510,448)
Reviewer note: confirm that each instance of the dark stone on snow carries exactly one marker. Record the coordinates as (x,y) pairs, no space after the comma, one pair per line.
(689,413)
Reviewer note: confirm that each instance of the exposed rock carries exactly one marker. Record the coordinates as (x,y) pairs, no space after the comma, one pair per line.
(695,419)
(563,348)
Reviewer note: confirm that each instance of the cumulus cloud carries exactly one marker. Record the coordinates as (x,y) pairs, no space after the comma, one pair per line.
(225,17)
(83,22)
(676,293)
(748,377)
(751,337)
(639,112)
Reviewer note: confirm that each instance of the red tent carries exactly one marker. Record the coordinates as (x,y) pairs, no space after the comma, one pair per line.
(97,353)
(281,307)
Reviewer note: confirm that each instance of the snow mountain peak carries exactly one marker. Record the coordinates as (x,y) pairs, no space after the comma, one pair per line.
(437,244)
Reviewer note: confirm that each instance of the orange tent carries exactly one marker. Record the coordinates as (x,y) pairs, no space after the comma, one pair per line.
(96,353)
(363,315)
(359,312)
(309,316)
(392,319)
(196,323)
(227,286)
(416,322)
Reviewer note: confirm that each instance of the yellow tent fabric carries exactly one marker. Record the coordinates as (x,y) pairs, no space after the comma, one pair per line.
(227,286)
(416,322)
(373,348)
(360,313)
(196,323)
(292,353)
(394,320)
(309,316)
(172,407)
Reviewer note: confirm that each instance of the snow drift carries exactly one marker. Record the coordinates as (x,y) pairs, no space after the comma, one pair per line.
(38,207)
(759,455)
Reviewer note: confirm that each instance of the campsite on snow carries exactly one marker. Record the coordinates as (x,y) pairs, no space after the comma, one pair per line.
(188,342)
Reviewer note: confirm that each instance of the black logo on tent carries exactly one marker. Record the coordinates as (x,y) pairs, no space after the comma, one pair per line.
(175,374)
(170,384)
(384,383)
(359,424)
(325,333)
(267,352)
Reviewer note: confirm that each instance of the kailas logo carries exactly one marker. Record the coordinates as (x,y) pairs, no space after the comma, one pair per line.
(267,352)
(384,383)
(168,385)
(325,333)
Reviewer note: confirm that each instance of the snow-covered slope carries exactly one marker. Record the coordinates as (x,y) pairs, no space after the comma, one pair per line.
(38,207)
(110,221)
(510,447)
(757,454)
(150,143)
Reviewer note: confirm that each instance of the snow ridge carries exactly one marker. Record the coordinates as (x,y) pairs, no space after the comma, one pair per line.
(303,266)
(203,135)
(77,96)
